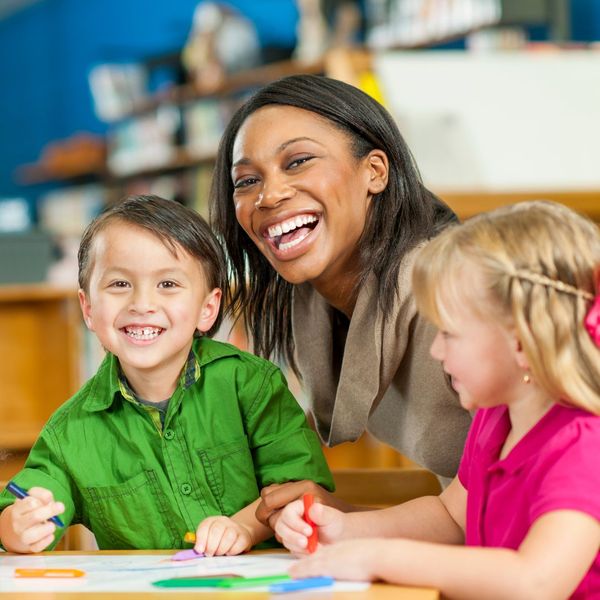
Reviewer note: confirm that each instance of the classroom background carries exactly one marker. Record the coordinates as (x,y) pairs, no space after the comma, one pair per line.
(497,99)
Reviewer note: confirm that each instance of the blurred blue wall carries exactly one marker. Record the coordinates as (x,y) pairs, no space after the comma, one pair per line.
(47,49)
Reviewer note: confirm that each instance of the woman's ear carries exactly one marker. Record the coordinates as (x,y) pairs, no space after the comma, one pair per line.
(378,169)
(209,311)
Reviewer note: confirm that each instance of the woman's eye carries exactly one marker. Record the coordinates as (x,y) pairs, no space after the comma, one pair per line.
(245,182)
(299,161)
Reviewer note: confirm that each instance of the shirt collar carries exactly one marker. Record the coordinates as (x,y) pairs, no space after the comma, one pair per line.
(109,383)
(534,441)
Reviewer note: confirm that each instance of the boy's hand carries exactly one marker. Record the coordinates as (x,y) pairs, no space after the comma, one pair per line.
(293,531)
(24,526)
(218,536)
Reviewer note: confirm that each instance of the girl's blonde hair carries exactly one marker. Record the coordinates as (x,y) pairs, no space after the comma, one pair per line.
(539,263)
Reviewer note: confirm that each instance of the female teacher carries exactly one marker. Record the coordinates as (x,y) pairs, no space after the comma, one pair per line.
(321,207)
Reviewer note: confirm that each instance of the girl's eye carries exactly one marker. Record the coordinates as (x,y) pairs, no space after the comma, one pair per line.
(119,284)
(244,182)
(168,285)
(299,161)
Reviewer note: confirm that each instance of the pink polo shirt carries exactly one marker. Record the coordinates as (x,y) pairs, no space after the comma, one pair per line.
(555,466)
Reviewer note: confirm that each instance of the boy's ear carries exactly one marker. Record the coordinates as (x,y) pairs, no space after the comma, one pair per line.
(378,167)
(209,311)
(86,309)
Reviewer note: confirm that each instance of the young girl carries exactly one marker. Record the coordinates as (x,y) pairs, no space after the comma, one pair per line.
(515,295)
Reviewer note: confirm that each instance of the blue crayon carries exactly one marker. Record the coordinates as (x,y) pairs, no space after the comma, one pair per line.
(20,493)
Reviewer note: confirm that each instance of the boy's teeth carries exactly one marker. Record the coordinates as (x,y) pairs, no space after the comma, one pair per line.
(143,333)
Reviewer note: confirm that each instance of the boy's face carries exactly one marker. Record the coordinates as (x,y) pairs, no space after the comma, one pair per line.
(143,303)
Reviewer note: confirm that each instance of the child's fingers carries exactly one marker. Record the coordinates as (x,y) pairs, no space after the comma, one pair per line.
(292,539)
(240,545)
(292,517)
(228,539)
(42,544)
(216,529)
(33,535)
(42,494)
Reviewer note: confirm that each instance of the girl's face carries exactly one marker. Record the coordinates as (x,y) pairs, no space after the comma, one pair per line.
(301,195)
(481,357)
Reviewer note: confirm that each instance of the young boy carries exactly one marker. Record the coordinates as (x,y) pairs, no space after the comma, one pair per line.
(175,432)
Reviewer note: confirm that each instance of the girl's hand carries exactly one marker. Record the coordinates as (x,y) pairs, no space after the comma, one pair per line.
(24,525)
(293,531)
(351,559)
(277,496)
(218,536)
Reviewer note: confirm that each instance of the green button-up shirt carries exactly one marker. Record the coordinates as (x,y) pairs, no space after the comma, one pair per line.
(138,484)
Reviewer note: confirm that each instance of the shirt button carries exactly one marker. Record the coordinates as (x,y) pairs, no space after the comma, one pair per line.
(186,489)
(169,434)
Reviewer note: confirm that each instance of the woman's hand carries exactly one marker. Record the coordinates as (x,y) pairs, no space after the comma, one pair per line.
(293,531)
(218,536)
(277,496)
(351,559)
(24,526)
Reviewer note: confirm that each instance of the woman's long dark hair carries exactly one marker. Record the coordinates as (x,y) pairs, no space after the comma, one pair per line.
(402,215)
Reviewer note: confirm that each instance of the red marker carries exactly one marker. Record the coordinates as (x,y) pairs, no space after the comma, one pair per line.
(313,538)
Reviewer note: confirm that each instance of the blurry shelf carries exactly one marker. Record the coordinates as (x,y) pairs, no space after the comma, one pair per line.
(469,203)
(34,292)
(182,160)
(234,83)
(35,173)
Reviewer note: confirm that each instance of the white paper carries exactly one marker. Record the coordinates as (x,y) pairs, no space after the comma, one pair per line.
(135,573)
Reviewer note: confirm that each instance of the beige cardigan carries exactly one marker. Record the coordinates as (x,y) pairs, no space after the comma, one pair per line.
(384,379)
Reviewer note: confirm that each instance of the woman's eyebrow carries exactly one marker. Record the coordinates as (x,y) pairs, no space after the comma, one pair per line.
(246,161)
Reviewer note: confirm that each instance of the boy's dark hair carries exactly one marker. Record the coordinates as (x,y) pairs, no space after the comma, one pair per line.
(402,215)
(175,225)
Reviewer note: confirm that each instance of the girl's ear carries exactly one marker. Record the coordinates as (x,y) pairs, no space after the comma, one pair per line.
(378,169)
(209,311)
(86,309)
(520,355)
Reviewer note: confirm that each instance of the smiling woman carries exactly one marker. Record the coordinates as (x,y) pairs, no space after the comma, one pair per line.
(320,206)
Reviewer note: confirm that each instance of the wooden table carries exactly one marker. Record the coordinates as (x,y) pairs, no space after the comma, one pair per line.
(377,591)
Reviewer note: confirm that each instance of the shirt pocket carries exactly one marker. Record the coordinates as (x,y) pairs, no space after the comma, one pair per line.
(229,471)
(133,514)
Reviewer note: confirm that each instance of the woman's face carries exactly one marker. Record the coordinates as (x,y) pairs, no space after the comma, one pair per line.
(301,195)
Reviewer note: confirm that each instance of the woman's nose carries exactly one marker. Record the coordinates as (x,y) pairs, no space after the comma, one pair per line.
(275,190)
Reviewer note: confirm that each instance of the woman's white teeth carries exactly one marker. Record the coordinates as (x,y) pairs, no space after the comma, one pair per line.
(143,333)
(295,242)
(290,225)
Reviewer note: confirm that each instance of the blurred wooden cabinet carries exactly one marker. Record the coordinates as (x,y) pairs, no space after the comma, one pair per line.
(39,363)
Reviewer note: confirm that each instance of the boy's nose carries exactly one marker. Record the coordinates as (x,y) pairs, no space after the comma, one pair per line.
(142,302)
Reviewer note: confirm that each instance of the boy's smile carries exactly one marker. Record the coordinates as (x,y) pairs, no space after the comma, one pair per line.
(145,303)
